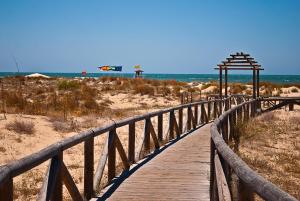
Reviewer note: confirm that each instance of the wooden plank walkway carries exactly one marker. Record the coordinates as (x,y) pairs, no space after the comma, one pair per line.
(180,172)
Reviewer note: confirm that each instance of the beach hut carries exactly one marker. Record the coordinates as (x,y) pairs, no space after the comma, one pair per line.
(138,71)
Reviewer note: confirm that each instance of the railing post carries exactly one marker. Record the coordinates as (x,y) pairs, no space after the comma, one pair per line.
(147,135)
(111,164)
(58,189)
(202,114)
(212,171)
(181,98)
(88,167)
(196,115)
(180,119)
(171,124)
(225,129)
(215,109)
(244,193)
(189,118)
(131,142)
(208,110)
(160,127)
(247,112)
(6,190)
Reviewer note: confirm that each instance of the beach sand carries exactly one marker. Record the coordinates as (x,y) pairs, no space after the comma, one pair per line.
(117,98)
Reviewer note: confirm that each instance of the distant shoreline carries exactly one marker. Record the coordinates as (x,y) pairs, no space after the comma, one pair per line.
(240,78)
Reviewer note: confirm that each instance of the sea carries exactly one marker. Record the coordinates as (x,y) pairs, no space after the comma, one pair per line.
(240,78)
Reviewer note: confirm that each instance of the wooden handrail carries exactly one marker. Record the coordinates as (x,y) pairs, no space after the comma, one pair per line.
(252,181)
(55,151)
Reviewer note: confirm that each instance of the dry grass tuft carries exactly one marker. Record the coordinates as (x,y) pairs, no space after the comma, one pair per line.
(270,144)
(66,126)
(144,90)
(21,126)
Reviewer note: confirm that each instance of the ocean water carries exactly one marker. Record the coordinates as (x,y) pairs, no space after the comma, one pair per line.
(242,78)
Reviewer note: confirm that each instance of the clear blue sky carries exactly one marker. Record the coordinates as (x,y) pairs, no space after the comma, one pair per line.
(164,36)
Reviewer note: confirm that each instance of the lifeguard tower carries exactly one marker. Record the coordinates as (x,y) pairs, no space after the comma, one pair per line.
(138,71)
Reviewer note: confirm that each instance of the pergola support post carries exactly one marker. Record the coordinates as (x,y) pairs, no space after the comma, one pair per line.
(239,61)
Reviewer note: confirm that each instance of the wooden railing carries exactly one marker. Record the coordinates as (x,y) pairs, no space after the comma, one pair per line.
(181,119)
(231,178)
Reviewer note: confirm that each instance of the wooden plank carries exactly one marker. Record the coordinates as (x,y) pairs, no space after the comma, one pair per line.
(70,184)
(173,174)
(131,142)
(88,168)
(153,135)
(122,153)
(101,166)
(222,186)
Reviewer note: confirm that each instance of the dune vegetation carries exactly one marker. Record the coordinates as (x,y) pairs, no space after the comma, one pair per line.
(270,144)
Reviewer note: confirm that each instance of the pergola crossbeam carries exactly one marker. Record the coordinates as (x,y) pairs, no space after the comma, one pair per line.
(240,61)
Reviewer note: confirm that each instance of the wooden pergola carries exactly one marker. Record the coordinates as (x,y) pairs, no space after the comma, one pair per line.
(239,61)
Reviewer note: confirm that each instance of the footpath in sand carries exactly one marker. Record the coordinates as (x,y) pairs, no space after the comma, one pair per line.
(180,172)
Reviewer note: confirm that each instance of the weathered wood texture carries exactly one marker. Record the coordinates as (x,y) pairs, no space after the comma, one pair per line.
(181,172)
(249,181)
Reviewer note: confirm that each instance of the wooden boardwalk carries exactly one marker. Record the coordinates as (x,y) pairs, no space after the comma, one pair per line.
(180,172)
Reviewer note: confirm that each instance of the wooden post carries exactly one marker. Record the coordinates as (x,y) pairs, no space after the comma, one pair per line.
(160,127)
(196,115)
(191,97)
(171,124)
(6,190)
(212,170)
(244,193)
(111,164)
(58,189)
(254,84)
(208,110)
(180,119)
(88,167)
(189,118)
(147,135)
(215,110)
(131,142)
(257,84)
(220,82)
(231,126)
(291,107)
(202,117)
(181,98)
(226,82)
(220,88)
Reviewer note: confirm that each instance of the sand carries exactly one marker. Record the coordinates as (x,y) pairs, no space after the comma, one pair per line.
(14,146)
